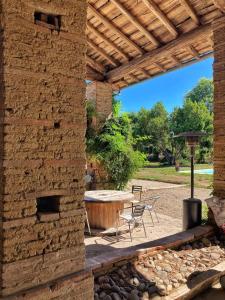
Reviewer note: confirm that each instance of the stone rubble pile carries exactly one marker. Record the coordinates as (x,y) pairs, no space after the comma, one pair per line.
(153,277)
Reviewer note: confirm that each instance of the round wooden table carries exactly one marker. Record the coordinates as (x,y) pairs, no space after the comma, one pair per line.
(103,207)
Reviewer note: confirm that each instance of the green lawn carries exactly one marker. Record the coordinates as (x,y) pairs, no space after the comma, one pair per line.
(154,171)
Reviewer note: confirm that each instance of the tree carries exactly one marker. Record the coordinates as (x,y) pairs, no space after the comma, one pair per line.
(202,92)
(151,127)
(111,145)
(193,116)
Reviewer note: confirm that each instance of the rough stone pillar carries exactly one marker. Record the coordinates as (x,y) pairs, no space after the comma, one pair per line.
(217,203)
(42,149)
(100,93)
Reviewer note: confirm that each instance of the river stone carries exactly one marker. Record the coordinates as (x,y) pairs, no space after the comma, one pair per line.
(96,297)
(167,268)
(115,296)
(107,297)
(206,242)
(103,279)
(222,282)
(102,295)
(215,255)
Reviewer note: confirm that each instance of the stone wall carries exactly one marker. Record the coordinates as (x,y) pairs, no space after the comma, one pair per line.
(217,203)
(42,143)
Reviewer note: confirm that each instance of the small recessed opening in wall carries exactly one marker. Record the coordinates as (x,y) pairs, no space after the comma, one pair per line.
(48,20)
(48,204)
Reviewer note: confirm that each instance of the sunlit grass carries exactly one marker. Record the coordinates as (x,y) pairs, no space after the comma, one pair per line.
(154,171)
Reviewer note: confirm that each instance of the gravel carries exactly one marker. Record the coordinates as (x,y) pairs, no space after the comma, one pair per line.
(170,202)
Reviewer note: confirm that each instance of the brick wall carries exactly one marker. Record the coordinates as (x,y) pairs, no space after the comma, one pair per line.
(217,203)
(100,93)
(42,142)
(219,107)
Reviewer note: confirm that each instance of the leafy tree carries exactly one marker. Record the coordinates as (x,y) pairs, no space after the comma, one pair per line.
(202,92)
(112,146)
(193,116)
(151,127)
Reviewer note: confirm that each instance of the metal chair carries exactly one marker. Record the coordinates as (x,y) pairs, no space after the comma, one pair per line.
(150,206)
(137,189)
(87,222)
(132,218)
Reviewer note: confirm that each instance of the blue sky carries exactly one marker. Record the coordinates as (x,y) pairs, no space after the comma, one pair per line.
(169,88)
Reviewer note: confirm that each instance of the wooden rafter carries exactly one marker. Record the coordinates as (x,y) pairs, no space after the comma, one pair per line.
(146,73)
(160,67)
(161,16)
(133,77)
(91,74)
(112,27)
(107,41)
(190,11)
(193,51)
(220,4)
(135,22)
(101,52)
(95,65)
(157,54)
(176,60)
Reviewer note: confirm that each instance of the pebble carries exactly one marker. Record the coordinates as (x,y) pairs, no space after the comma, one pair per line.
(222,282)
(167,268)
(115,296)
(215,255)
(156,276)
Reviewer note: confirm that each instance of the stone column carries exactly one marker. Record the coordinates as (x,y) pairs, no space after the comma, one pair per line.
(217,203)
(100,94)
(42,160)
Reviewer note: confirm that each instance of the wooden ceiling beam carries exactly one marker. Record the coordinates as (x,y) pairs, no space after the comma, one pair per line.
(146,73)
(220,4)
(190,11)
(102,53)
(91,74)
(133,77)
(112,27)
(193,51)
(161,16)
(95,65)
(176,60)
(167,50)
(136,23)
(160,67)
(107,41)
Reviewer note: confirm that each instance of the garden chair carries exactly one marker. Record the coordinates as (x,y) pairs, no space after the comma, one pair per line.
(150,206)
(87,222)
(136,189)
(135,217)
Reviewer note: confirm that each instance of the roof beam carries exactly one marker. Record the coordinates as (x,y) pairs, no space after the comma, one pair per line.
(136,23)
(107,41)
(95,65)
(193,51)
(160,67)
(91,74)
(161,16)
(176,60)
(101,52)
(164,51)
(112,27)
(190,11)
(220,4)
(146,73)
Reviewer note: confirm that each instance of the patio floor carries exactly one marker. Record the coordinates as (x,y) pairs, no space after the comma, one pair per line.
(167,226)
